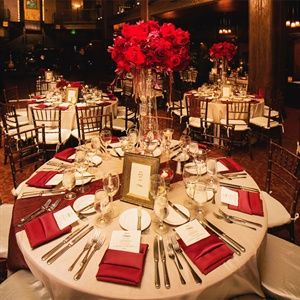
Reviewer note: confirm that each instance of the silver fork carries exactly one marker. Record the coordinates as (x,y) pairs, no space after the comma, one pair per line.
(97,247)
(179,250)
(54,205)
(228,220)
(171,254)
(85,248)
(93,241)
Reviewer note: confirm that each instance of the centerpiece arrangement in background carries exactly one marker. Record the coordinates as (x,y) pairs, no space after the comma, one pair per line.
(222,53)
(146,49)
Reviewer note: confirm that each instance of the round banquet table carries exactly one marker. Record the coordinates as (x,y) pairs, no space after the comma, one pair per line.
(217,109)
(68,116)
(238,275)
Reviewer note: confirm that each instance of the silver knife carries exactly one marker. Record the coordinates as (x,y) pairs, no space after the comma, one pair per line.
(231,246)
(163,259)
(241,187)
(63,242)
(69,245)
(47,203)
(35,214)
(139,219)
(156,259)
(178,210)
(242,248)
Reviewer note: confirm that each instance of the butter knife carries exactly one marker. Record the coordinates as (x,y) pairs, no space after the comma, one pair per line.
(63,242)
(156,259)
(164,263)
(178,210)
(69,245)
(139,218)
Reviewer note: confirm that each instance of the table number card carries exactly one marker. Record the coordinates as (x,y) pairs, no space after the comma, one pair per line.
(139,180)
(192,232)
(65,217)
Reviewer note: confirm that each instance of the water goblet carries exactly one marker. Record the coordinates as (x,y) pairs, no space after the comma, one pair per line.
(200,160)
(200,197)
(111,184)
(101,205)
(190,176)
(69,182)
(193,149)
(132,135)
(213,181)
(82,165)
(184,141)
(167,135)
(106,137)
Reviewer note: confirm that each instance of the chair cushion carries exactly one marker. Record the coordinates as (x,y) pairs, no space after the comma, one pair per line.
(5,217)
(180,114)
(277,213)
(263,122)
(51,135)
(23,285)
(280,269)
(195,122)
(239,125)
(119,124)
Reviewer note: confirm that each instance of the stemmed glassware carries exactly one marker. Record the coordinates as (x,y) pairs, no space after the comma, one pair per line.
(193,149)
(213,182)
(185,141)
(101,205)
(82,165)
(158,192)
(106,137)
(111,184)
(200,197)
(69,182)
(190,176)
(132,137)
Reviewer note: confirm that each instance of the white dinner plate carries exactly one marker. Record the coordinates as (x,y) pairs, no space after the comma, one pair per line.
(129,218)
(82,202)
(174,218)
(118,150)
(181,157)
(80,181)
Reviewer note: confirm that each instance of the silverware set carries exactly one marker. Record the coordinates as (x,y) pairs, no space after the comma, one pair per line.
(240,187)
(173,249)
(231,176)
(47,206)
(41,193)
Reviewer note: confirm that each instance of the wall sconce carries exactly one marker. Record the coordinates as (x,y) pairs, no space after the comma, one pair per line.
(225,25)
(292,14)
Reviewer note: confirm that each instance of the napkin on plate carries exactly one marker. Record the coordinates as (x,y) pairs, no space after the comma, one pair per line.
(207,254)
(122,267)
(65,154)
(249,203)
(231,165)
(40,179)
(44,229)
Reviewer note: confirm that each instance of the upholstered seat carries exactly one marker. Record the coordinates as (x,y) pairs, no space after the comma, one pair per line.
(5,217)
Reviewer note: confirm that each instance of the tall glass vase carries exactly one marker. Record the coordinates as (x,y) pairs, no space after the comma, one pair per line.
(224,65)
(144,94)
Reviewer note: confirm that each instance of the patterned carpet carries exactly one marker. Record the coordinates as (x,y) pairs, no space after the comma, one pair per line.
(257,167)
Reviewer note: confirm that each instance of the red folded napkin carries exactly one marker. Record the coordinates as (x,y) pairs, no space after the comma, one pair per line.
(40,179)
(62,107)
(115,139)
(65,154)
(249,203)
(41,106)
(122,267)
(207,254)
(44,229)
(202,146)
(231,164)
(76,84)
(104,103)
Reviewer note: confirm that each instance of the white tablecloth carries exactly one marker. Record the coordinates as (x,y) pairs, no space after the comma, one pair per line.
(238,275)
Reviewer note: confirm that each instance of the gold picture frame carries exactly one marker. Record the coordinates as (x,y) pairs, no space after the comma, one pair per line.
(72,95)
(137,170)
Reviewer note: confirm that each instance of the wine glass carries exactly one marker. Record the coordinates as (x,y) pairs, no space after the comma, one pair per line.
(111,184)
(106,137)
(190,176)
(193,149)
(200,160)
(184,141)
(158,193)
(69,182)
(213,182)
(81,164)
(101,205)
(168,134)
(132,136)
(200,197)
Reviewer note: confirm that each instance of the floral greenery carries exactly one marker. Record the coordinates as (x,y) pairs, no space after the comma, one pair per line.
(147,45)
(223,50)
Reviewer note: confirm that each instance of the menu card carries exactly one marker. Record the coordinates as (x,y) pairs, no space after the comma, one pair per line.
(229,196)
(192,232)
(125,240)
(65,217)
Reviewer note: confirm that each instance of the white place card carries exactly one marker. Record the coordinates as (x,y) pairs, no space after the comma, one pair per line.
(221,167)
(55,180)
(140,180)
(192,232)
(125,240)
(229,196)
(65,217)
(96,160)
